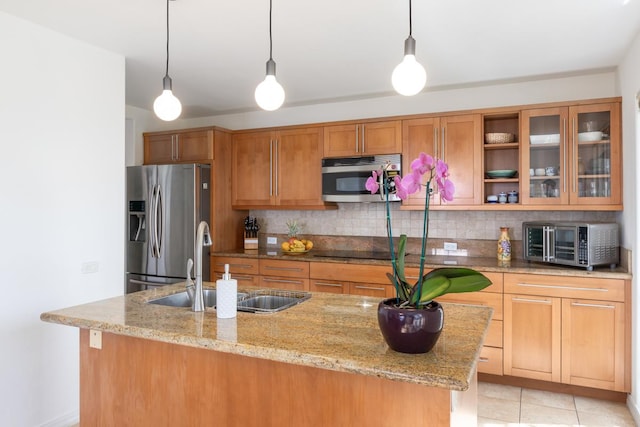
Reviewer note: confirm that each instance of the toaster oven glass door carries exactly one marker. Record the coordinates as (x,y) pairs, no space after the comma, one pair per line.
(566,244)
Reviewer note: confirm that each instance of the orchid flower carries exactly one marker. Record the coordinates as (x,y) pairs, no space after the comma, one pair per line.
(372,183)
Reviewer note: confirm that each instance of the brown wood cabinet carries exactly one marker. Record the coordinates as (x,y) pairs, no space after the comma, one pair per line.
(491,360)
(363,139)
(582,146)
(278,169)
(457,141)
(245,270)
(573,330)
(183,146)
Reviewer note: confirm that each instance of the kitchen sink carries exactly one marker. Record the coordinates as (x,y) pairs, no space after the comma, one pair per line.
(181,299)
(261,301)
(271,300)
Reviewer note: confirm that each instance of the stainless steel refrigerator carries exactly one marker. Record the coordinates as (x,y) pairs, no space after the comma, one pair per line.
(165,204)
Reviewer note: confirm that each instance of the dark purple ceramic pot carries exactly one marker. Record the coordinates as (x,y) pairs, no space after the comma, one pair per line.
(410,330)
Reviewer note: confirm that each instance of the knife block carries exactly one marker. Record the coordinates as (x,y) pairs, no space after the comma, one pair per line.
(250,242)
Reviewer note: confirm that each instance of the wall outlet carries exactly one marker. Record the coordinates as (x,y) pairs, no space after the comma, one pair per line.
(95,339)
(449,246)
(90,267)
(272,240)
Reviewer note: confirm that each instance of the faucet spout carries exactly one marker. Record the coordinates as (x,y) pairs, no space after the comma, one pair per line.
(203,238)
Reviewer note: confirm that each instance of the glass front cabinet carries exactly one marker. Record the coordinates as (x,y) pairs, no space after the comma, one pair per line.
(571,155)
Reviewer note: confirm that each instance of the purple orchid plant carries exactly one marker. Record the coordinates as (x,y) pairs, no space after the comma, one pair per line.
(439,281)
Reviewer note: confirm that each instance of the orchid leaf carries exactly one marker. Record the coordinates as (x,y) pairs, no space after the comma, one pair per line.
(402,246)
(460,280)
(431,288)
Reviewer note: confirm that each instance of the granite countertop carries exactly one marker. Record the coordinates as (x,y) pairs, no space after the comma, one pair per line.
(335,332)
(485,264)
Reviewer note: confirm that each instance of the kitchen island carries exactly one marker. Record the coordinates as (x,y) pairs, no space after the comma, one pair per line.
(320,363)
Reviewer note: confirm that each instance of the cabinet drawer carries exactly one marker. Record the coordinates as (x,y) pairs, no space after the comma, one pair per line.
(494,334)
(284,283)
(371,290)
(334,287)
(565,286)
(236,265)
(369,274)
(274,267)
(477,298)
(243,279)
(490,361)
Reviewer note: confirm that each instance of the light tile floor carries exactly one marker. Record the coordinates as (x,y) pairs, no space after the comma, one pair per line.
(508,406)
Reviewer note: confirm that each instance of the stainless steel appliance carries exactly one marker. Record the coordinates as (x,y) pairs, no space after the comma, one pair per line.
(165,204)
(343,179)
(571,243)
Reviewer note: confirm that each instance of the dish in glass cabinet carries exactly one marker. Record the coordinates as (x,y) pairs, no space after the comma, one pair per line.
(553,138)
(501,173)
(589,136)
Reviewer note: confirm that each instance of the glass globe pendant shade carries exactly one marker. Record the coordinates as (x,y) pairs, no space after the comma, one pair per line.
(409,77)
(166,106)
(269,93)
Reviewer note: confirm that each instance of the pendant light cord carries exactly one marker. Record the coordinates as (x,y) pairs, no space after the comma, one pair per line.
(410,25)
(270,35)
(167,65)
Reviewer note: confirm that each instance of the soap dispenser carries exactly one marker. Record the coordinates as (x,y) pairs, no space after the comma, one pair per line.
(226,295)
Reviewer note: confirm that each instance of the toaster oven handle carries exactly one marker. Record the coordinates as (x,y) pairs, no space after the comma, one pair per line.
(550,244)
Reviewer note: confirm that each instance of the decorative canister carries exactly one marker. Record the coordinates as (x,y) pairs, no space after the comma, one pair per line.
(504,245)
(512,197)
(502,197)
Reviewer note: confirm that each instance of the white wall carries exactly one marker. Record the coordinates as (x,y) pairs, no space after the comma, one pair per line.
(61,198)
(629,76)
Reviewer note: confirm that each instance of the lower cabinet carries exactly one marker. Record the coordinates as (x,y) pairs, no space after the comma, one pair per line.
(490,361)
(567,329)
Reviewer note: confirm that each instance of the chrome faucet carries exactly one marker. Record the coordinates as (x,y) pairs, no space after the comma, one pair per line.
(203,238)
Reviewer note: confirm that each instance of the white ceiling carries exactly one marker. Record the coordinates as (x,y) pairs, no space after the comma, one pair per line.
(329,50)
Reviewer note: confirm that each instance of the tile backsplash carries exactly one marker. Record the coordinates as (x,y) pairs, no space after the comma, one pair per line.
(368,219)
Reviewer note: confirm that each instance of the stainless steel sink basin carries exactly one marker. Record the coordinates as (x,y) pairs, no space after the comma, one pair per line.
(181,299)
(269,301)
(261,301)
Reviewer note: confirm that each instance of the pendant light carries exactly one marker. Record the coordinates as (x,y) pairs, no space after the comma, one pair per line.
(166,106)
(269,93)
(409,77)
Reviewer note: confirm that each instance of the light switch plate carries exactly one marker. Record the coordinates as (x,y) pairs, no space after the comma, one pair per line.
(95,339)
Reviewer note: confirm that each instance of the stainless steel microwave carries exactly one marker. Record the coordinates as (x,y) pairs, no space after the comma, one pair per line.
(571,243)
(344,178)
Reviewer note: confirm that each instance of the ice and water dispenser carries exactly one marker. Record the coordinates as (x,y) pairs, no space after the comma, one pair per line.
(137,221)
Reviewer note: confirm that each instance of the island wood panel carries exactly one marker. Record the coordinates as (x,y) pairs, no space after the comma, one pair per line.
(137,382)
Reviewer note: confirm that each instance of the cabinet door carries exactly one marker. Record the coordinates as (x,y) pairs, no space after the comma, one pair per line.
(418,135)
(462,150)
(595,155)
(252,181)
(159,148)
(545,152)
(381,137)
(194,146)
(342,140)
(532,337)
(291,284)
(593,344)
(299,167)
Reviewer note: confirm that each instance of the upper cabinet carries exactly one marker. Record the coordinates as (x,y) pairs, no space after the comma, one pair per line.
(363,139)
(572,155)
(180,146)
(454,139)
(278,169)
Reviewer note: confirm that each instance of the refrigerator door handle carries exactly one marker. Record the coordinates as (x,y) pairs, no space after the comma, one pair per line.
(155,252)
(152,221)
(159,216)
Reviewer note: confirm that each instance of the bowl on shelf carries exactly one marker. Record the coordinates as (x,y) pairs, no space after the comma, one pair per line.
(502,173)
(553,138)
(589,136)
(492,198)
(540,172)
(499,138)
